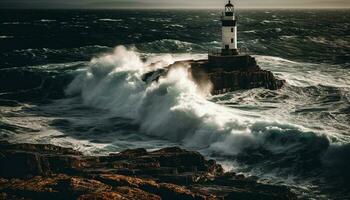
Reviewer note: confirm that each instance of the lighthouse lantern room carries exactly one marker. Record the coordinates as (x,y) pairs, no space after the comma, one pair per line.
(229,31)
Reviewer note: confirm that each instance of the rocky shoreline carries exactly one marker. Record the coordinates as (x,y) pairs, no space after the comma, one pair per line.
(227,79)
(43,171)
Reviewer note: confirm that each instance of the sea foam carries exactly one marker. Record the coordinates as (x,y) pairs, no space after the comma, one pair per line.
(175,109)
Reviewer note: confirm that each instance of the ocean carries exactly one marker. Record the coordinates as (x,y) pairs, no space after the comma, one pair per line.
(74,78)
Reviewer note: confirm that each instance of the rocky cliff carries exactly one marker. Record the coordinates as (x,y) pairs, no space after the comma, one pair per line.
(225,78)
(30,171)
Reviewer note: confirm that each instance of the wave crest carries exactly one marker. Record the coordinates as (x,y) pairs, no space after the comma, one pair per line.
(174,109)
(170,45)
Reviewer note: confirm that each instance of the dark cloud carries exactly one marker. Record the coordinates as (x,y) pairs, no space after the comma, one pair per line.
(172,3)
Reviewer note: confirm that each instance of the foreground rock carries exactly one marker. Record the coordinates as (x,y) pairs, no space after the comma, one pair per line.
(224,78)
(29,171)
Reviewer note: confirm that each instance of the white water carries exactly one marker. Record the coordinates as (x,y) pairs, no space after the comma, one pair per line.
(176,110)
(109,108)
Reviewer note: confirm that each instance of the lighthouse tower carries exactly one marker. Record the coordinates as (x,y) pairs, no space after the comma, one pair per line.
(229,31)
(228,57)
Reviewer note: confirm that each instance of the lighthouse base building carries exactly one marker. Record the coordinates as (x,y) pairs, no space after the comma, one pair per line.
(232,62)
(229,56)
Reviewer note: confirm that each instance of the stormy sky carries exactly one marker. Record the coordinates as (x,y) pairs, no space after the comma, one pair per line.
(149,4)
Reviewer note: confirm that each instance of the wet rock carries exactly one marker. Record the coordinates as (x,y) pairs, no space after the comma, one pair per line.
(121,193)
(226,79)
(30,171)
(54,187)
(164,190)
(223,78)
(103,196)
(20,161)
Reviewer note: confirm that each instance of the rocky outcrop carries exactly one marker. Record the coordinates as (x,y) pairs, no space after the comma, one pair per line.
(224,78)
(29,171)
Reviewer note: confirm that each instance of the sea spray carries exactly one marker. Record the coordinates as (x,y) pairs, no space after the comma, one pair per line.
(173,108)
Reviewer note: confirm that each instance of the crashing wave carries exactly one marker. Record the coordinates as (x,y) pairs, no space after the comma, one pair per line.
(5,37)
(110,20)
(174,109)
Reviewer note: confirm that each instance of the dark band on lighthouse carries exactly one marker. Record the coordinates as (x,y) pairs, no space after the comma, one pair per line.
(229,23)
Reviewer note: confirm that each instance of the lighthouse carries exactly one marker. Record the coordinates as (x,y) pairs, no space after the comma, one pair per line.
(229,30)
(227,56)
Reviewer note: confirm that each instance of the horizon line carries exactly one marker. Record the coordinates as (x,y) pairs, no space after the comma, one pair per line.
(183,8)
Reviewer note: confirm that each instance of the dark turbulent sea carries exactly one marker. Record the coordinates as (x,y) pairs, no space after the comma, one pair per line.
(73,78)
